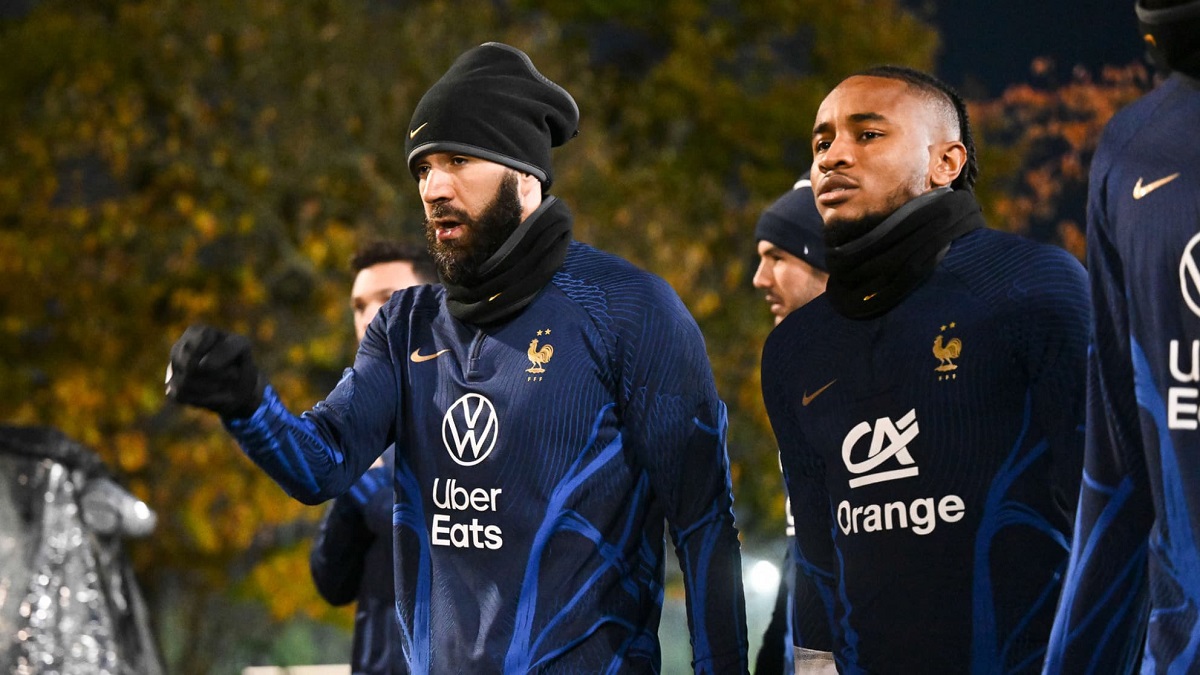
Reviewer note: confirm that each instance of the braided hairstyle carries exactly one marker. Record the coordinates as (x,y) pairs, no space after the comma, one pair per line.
(943,94)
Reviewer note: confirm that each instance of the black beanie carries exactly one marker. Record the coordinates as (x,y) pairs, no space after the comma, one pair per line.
(1171,30)
(793,224)
(493,104)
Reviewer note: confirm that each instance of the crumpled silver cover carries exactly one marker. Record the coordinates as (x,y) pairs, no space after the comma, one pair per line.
(69,602)
(69,626)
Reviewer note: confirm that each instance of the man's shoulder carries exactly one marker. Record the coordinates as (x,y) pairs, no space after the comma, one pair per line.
(1003,268)
(1004,256)
(592,276)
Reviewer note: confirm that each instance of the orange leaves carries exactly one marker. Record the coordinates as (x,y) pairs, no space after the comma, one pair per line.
(1040,141)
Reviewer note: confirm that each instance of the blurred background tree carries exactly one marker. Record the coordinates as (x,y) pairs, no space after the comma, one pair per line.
(181,161)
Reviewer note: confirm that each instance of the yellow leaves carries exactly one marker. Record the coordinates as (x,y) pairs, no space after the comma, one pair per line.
(132,451)
(206,225)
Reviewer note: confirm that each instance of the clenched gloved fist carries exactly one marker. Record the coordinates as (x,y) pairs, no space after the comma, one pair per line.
(214,369)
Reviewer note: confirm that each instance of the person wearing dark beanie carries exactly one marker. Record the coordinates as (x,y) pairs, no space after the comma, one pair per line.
(791,270)
(553,411)
(1131,596)
(791,251)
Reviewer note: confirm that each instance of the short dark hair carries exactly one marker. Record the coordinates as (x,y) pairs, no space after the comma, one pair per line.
(936,88)
(384,251)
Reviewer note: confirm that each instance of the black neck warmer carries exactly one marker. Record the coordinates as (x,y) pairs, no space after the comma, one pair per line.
(871,274)
(514,274)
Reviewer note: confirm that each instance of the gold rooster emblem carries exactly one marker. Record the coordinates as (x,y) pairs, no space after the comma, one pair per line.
(946,353)
(539,356)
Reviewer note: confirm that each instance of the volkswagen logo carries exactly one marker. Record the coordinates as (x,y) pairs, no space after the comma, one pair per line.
(470,429)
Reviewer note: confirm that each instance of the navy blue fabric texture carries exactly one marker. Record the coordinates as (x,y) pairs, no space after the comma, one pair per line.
(536,464)
(1133,591)
(932,456)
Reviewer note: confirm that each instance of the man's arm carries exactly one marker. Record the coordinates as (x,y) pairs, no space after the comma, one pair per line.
(676,425)
(804,475)
(340,548)
(1101,613)
(315,456)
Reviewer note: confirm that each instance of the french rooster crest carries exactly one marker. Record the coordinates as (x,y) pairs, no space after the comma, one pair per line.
(946,353)
(539,356)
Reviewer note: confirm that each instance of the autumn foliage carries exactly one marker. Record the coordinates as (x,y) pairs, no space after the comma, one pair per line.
(179,161)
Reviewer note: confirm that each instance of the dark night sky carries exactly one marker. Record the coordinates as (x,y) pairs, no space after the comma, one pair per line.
(990,44)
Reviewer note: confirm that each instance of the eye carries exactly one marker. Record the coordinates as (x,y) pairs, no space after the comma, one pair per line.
(870,135)
(422,169)
(459,160)
(821,146)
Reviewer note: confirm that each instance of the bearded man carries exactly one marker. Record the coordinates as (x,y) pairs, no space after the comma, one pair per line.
(551,407)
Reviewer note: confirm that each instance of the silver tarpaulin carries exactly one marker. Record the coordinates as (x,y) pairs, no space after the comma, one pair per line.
(68,600)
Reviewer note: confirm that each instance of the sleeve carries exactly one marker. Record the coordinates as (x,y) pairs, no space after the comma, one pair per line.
(1100,622)
(320,454)
(1055,323)
(804,475)
(676,426)
(340,548)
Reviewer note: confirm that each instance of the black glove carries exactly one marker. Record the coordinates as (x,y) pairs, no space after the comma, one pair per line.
(214,369)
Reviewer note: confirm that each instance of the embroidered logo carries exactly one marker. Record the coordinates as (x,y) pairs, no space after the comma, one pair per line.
(418,357)
(1140,190)
(808,398)
(539,356)
(414,132)
(946,353)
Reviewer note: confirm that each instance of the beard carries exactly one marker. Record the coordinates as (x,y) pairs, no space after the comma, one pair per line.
(843,232)
(459,260)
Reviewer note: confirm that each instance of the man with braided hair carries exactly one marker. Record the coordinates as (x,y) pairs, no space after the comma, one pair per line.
(928,406)
(1133,589)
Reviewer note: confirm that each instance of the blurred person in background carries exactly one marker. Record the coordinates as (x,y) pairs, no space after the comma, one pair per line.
(552,406)
(1132,592)
(351,557)
(791,271)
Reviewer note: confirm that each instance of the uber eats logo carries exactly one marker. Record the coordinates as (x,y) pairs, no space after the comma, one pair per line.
(888,457)
(469,432)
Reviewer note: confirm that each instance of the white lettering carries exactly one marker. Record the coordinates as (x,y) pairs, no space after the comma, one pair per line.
(923,514)
(447,532)
(439,530)
(1181,415)
(1193,373)
(460,499)
(925,520)
(951,508)
(465,535)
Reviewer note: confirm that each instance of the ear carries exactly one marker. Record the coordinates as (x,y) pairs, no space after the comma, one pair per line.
(529,189)
(946,161)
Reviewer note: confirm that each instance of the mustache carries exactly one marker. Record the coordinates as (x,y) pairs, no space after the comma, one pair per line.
(447,212)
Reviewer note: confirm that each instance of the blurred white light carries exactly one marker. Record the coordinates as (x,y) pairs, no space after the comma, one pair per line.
(763,577)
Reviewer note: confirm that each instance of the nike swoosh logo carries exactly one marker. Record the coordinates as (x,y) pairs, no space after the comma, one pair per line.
(418,357)
(416,131)
(807,398)
(1140,190)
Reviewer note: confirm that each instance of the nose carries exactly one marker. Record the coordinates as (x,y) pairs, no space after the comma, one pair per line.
(436,186)
(762,276)
(840,153)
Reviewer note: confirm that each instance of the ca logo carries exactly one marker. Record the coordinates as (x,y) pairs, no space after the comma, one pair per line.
(896,435)
(1189,276)
(470,424)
